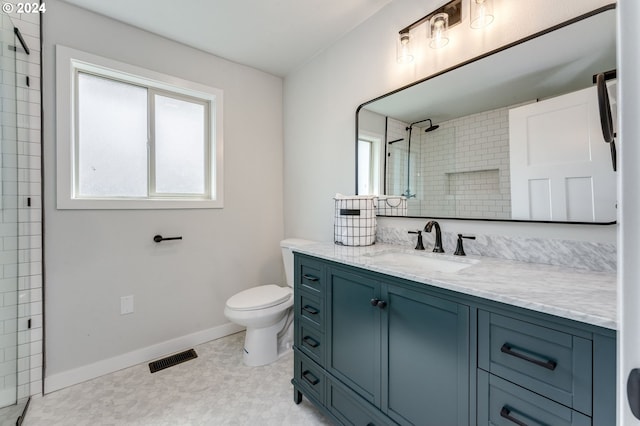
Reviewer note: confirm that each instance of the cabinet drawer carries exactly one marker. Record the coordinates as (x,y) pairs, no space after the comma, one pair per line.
(352,410)
(554,364)
(309,277)
(501,403)
(311,310)
(311,342)
(309,377)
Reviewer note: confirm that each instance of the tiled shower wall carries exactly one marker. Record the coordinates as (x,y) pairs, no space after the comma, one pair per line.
(8,221)
(464,167)
(459,170)
(29,208)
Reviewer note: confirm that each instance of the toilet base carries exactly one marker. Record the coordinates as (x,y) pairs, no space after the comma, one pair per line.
(261,345)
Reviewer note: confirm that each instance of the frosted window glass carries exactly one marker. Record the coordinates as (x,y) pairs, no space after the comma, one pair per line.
(180,146)
(112,138)
(364,167)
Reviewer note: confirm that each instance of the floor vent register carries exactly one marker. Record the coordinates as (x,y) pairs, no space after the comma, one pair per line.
(172,360)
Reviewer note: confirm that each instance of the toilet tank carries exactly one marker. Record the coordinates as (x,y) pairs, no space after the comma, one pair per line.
(287,247)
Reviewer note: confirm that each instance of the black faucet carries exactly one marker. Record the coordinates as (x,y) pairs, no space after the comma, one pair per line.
(419,245)
(459,248)
(437,247)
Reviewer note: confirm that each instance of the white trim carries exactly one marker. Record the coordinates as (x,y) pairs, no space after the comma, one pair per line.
(91,371)
(68,62)
(628,354)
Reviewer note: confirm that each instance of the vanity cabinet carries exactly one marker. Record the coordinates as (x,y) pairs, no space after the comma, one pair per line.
(373,349)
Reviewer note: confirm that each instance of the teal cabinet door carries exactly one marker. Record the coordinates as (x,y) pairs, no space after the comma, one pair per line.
(426,380)
(404,351)
(353,333)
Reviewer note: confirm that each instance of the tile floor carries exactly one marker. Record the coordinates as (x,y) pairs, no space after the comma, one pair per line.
(214,389)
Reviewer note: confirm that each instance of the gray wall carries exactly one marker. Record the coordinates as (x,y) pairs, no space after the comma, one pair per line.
(95,257)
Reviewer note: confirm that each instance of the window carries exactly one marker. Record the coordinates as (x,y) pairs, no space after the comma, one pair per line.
(369,164)
(131,138)
(365,162)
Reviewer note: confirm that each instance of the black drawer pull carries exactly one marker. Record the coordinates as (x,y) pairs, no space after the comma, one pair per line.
(310,278)
(309,377)
(310,309)
(507,415)
(550,364)
(310,341)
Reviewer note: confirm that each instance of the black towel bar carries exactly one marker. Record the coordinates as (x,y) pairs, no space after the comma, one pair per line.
(160,238)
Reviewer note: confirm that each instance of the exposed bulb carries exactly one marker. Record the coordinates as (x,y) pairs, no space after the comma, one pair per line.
(481,13)
(403,53)
(439,25)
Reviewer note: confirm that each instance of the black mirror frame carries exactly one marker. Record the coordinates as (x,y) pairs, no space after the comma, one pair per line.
(605,8)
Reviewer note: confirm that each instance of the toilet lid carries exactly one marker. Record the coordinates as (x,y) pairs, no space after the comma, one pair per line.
(263,296)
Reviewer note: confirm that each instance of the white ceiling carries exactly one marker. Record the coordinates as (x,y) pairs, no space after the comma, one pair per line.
(275,36)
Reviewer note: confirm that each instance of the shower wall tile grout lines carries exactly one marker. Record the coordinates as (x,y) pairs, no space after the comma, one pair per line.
(29,236)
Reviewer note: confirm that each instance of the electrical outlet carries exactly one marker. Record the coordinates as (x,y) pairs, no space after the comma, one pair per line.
(126,305)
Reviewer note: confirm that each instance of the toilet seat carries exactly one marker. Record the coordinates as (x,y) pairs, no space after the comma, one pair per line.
(260,297)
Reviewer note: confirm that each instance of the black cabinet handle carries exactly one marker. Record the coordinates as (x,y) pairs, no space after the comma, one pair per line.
(379,303)
(310,341)
(310,277)
(310,309)
(309,377)
(507,415)
(550,364)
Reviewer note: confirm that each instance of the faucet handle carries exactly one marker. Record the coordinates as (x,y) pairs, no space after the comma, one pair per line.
(419,245)
(459,248)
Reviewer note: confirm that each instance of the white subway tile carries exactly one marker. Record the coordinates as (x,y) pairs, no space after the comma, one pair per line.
(36,385)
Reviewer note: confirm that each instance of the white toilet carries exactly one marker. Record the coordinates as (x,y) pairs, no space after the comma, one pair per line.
(266,312)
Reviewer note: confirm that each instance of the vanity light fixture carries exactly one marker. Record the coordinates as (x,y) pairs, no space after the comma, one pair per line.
(438,30)
(481,13)
(438,23)
(403,48)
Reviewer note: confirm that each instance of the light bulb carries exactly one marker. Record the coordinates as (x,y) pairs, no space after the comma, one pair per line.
(481,13)
(438,25)
(403,49)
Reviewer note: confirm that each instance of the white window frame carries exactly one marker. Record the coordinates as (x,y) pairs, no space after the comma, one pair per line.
(68,63)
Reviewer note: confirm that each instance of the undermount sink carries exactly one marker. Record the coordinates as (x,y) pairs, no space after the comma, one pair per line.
(421,262)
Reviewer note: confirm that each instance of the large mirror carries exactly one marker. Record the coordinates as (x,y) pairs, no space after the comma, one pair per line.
(512,135)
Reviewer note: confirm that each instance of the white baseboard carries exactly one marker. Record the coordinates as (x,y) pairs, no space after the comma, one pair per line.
(87,372)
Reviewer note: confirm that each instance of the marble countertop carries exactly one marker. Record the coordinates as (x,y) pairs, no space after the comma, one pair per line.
(585,296)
